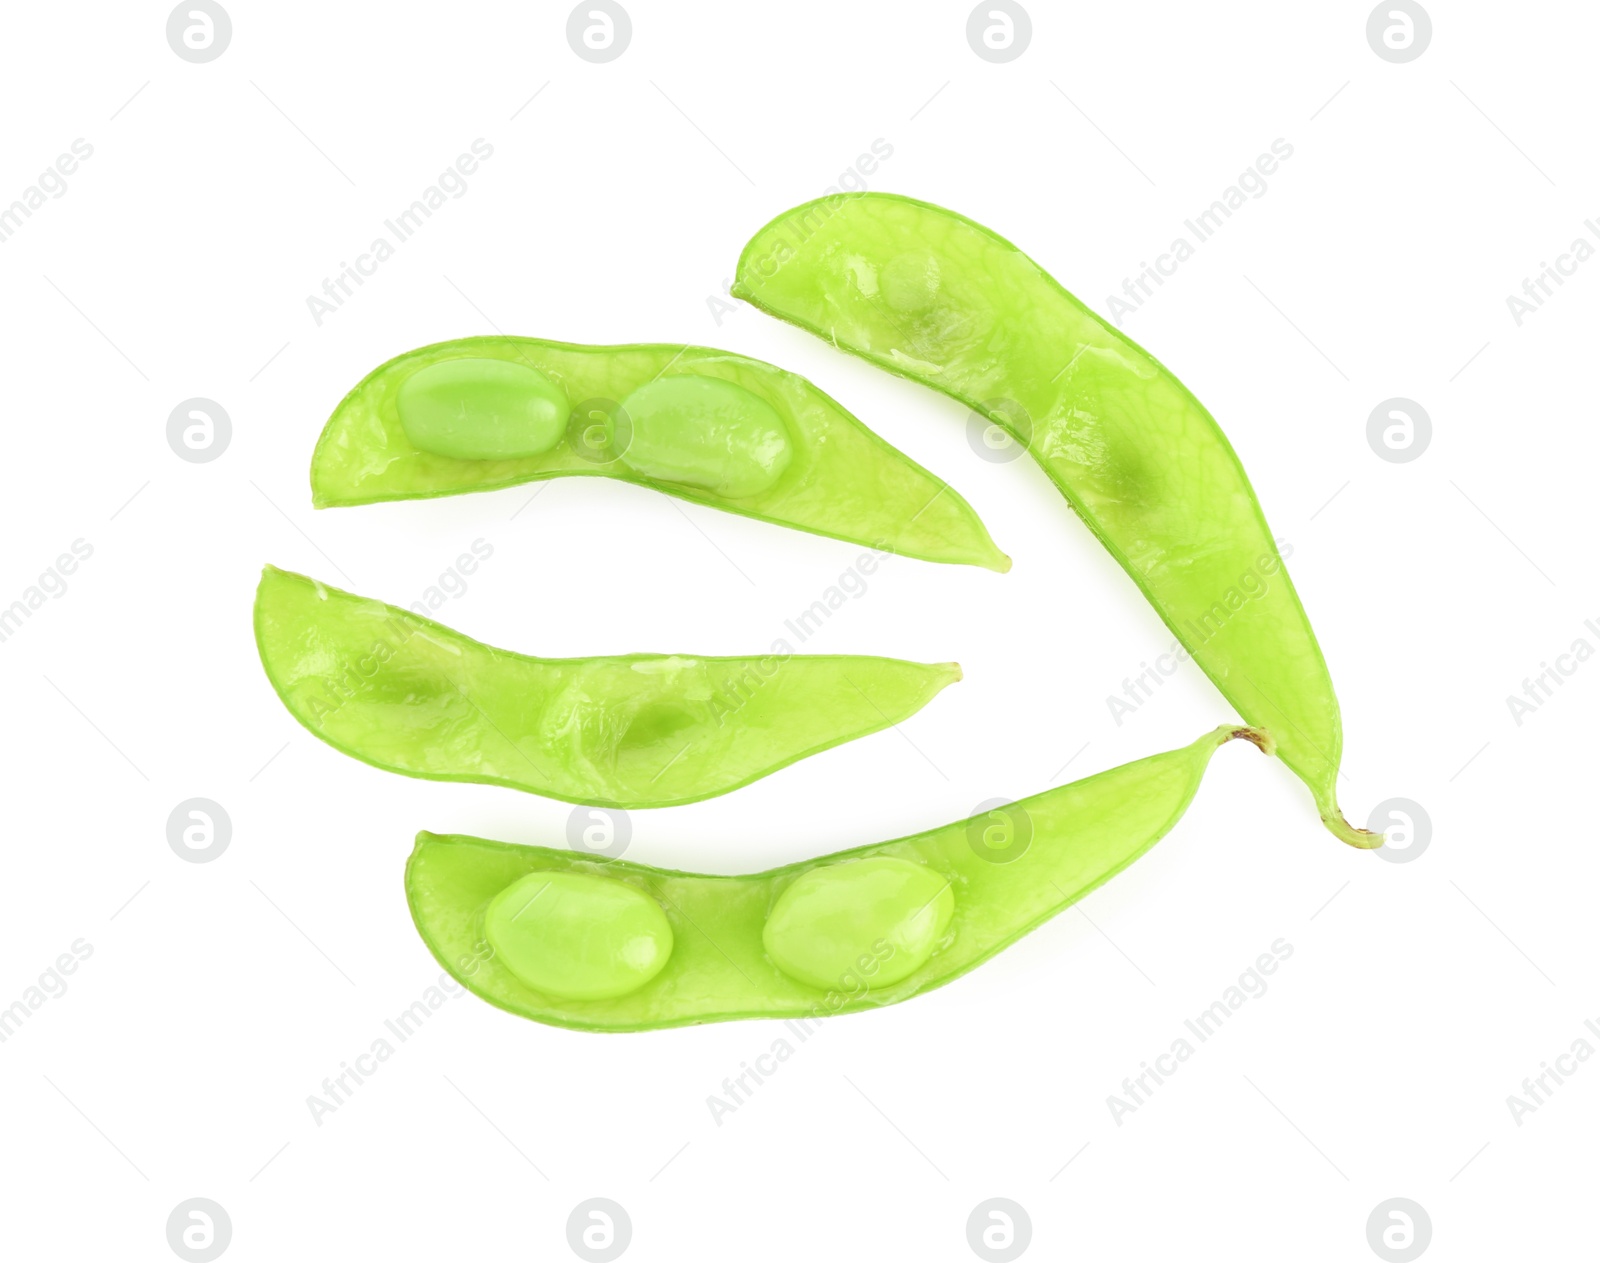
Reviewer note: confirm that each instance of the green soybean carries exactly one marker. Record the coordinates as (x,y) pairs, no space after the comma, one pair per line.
(831,917)
(578,936)
(701,432)
(481,409)
(699,424)
(857,930)
(934,297)
(409,695)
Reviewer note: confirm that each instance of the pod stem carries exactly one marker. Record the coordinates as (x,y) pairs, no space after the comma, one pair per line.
(1327,807)
(1220,736)
(1260,738)
(1333,818)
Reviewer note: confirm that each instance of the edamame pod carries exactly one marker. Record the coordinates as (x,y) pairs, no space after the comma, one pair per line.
(932,296)
(571,940)
(409,695)
(696,423)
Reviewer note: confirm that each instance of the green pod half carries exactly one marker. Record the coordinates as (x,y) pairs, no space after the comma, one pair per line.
(932,296)
(714,428)
(856,930)
(409,695)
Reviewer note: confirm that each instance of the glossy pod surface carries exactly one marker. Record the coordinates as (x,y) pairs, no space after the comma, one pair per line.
(855,930)
(696,423)
(932,296)
(410,695)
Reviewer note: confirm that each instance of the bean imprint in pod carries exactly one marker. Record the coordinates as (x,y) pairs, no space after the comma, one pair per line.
(700,424)
(563,938)
(931,296)
(409,695)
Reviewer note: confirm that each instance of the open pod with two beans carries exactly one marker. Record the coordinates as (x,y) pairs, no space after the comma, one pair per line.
(607,945)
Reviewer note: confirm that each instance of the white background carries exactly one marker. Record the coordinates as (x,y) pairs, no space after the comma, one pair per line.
(1419,995)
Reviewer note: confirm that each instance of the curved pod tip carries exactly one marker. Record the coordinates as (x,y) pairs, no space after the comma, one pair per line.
(1361,839)
(1332,818)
